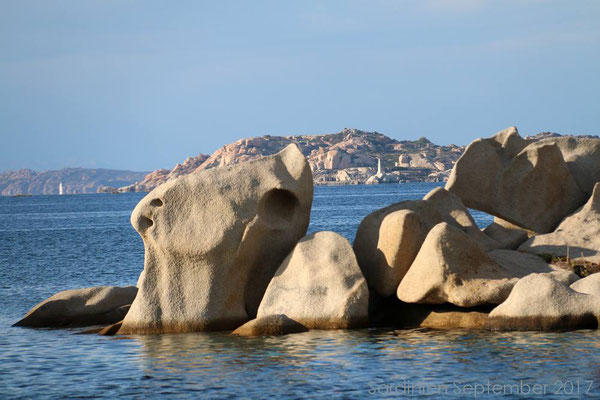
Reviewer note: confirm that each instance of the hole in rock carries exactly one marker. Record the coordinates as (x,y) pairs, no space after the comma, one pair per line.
(145,223)
(277,206)
(156,203)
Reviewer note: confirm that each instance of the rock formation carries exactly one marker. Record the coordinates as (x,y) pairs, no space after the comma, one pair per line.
(528,184)
(319,285)
(388,240)
(98,305)
(214,240)
(451,267)
(577,236)
(538,302)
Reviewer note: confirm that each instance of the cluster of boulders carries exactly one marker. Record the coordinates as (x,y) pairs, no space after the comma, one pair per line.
(226,250)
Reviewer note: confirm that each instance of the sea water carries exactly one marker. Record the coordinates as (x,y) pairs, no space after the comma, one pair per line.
(53,243)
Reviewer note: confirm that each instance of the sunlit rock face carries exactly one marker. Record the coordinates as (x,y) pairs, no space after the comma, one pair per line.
(526,183)
(213,241)
(319,285)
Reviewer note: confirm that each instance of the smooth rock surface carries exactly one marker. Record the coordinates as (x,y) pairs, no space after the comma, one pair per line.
(319,285)
(214,240)
(538,302)
(588,285)
(453,268)
(528,184)
(271,325)
(388,240)
(582,156)
(577,236)
(81,307)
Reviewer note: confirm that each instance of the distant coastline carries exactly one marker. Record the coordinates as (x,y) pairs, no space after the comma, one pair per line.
(349,157)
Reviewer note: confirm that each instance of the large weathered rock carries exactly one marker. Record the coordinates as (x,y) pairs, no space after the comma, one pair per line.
(271,325)
(538,302)
(582,156)
(528,184)
(213,241)
(388,240)
(319,285)
(451,267)
(577,236)
(588,285)
(81,307)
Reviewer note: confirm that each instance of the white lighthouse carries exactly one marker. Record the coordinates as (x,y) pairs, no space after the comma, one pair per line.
(379,171)
(61,191)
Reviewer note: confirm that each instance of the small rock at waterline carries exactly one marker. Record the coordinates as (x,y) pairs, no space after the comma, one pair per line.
(270,325)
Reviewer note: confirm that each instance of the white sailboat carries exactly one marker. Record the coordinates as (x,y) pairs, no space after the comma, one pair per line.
(60,189)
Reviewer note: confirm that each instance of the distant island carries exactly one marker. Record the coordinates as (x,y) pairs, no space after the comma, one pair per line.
(74,181)
(351,156)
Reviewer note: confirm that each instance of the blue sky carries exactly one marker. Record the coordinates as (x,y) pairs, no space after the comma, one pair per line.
(144,84)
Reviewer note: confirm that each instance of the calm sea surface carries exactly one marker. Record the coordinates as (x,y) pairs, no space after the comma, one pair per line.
(53,243)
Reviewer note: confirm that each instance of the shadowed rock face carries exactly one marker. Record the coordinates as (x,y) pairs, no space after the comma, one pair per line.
(213,241)
(528,184)
(577,236)
(81,307)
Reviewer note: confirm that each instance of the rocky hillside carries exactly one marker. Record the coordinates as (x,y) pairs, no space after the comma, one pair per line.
(348,157)
(74,180)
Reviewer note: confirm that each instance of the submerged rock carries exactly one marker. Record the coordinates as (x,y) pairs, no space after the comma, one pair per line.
(539,302)
(453,268)
(528,184)
(388,240)
(319,285)
(577,236)
(81,307)
(270,325)
(214,240)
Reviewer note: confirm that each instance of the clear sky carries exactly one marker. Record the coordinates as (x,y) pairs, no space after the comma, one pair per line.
(143,84)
